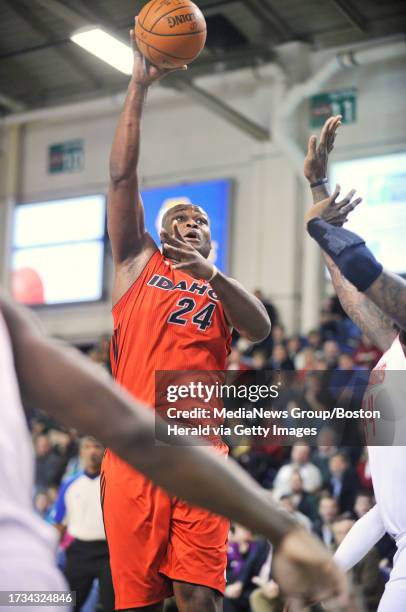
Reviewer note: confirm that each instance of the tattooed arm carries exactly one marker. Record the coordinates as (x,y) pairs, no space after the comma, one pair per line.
(388,293)
(365,309)
(369,318)
(381,305)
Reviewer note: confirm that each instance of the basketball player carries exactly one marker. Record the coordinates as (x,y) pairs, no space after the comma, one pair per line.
(376,301)
(78,394)
(173,310)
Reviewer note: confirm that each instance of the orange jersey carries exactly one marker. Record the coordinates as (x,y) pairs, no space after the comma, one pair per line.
(166,320)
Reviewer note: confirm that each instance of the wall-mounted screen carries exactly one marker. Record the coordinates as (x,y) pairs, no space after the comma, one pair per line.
(381,218)
(58,251)
(212,196)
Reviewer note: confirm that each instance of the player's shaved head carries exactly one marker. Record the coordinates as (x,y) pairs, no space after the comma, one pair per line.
(171,213)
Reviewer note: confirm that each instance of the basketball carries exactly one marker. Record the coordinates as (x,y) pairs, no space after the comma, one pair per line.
(170,33)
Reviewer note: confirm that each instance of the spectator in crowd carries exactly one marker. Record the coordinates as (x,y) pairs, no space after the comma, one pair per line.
(363,471)
(246,556)
(270,308)
(366,354)
(331,352)
(363,503)
(328,512)
(267,596)
(315,397)
(294,346)
(320,364)
(344,483)
(299,461)
(280,359)
(305,360)
(304,502)
(258,360)
(78,511)
(235,361)
(326,448)
(278,334)
(314,340)
(42,503)
(366,575)
(262,460)
(49,464)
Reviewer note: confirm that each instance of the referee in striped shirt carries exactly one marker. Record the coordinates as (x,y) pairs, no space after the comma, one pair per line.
(78,515)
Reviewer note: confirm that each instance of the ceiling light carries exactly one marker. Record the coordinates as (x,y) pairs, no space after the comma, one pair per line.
(106,47)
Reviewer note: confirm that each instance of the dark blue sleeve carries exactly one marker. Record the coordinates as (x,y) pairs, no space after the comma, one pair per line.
(348,251)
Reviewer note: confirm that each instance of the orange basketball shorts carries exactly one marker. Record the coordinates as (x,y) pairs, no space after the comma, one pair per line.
(154,538)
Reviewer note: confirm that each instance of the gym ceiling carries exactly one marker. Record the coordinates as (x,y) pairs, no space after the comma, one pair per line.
(40,66)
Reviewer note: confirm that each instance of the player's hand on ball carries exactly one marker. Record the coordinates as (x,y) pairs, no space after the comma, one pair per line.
(187,258)
(145,73)
(306,572)
(315,165)
(333,212)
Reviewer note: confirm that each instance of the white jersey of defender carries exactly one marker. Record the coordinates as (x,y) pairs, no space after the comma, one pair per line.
(27,543)
(386,391)
(388,463)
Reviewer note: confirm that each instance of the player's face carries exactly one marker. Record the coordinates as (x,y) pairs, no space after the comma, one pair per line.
(193,224)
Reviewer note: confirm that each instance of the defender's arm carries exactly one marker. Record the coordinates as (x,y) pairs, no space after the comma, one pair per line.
(363,535)
(369,318)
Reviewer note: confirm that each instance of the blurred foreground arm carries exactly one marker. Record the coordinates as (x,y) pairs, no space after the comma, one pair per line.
(74,391)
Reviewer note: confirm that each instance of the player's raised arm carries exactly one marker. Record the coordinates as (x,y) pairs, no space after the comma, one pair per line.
(130,242)
(76,393)
(369,317)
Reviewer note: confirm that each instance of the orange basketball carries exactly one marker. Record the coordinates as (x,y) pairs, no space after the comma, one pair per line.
(170,33)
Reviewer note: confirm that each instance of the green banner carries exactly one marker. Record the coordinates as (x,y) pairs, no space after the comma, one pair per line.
(342,102)
(66,157)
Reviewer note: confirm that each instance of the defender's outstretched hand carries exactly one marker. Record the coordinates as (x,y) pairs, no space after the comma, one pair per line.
(315,165)
(145,73)
(333,212)
(305,570)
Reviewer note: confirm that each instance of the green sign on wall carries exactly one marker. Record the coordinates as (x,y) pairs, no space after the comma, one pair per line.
(342,102)
(66,157)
